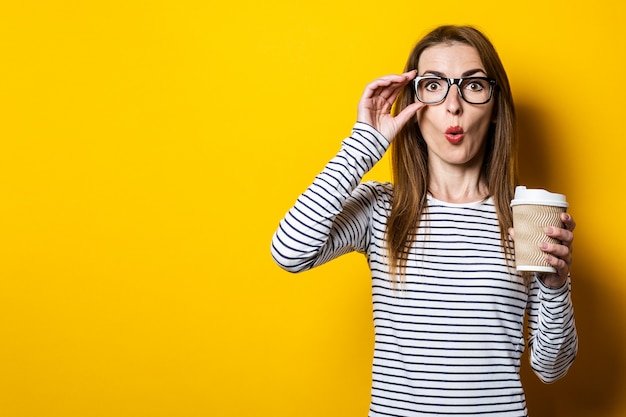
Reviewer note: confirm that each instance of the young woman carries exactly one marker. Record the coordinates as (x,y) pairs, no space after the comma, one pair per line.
(448,305)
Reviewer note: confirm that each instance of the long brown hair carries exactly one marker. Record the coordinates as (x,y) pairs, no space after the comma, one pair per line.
(409,154)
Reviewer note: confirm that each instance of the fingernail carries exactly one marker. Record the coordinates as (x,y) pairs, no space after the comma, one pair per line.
(543,246)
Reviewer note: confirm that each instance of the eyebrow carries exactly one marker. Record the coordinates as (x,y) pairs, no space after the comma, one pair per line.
(465,74)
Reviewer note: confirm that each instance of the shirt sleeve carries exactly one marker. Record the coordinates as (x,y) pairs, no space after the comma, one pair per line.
(332,216)
(553,341)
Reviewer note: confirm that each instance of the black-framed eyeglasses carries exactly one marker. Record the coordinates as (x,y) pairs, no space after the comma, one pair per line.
(432,89)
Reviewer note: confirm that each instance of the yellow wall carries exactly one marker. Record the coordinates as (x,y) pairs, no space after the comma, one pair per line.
(149,148)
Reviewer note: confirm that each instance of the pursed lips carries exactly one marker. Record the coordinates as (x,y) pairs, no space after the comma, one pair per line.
(454,134)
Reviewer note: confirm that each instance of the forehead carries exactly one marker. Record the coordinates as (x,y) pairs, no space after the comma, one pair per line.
(452,59)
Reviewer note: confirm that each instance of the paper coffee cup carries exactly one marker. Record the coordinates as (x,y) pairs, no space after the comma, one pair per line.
(533,210)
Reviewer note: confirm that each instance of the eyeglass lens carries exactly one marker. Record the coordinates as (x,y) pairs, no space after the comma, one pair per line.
(472,90)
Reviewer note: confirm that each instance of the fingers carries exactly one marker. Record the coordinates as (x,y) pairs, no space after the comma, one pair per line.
(564,235)
(388,87)
(393,79)
(559,255)
(407,113)
(558,279)
(568,221)
(562,251)
(378,99)
(405,78)
(560,258)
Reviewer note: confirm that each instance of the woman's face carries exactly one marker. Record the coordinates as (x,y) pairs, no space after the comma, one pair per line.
(454,130)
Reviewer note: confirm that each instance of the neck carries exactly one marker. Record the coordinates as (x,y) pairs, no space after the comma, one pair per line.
(458,185)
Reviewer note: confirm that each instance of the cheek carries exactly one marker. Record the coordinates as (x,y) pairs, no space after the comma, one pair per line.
(487,121)
(428,123)
(424,117)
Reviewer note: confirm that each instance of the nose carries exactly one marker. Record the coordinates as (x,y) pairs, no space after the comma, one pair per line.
(453,101)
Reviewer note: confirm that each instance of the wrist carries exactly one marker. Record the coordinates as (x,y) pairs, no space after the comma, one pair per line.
(553,282)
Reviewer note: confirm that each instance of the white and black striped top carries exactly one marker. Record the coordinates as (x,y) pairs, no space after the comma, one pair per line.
(448,342)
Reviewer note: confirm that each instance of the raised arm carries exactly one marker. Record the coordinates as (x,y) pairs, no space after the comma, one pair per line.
(332,216)
(329,219)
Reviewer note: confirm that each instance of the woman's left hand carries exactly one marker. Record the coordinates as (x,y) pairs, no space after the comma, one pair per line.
(559,255)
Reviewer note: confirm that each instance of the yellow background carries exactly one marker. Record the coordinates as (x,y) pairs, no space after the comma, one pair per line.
(149,149)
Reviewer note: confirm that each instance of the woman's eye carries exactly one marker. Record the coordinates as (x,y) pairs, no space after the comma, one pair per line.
(474,86)
(432,86)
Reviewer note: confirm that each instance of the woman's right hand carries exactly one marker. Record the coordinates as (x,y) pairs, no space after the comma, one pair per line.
(377,101)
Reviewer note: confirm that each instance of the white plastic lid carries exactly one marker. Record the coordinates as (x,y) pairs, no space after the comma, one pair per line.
(537,196)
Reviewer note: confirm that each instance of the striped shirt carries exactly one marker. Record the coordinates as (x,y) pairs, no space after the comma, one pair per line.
(448,340)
